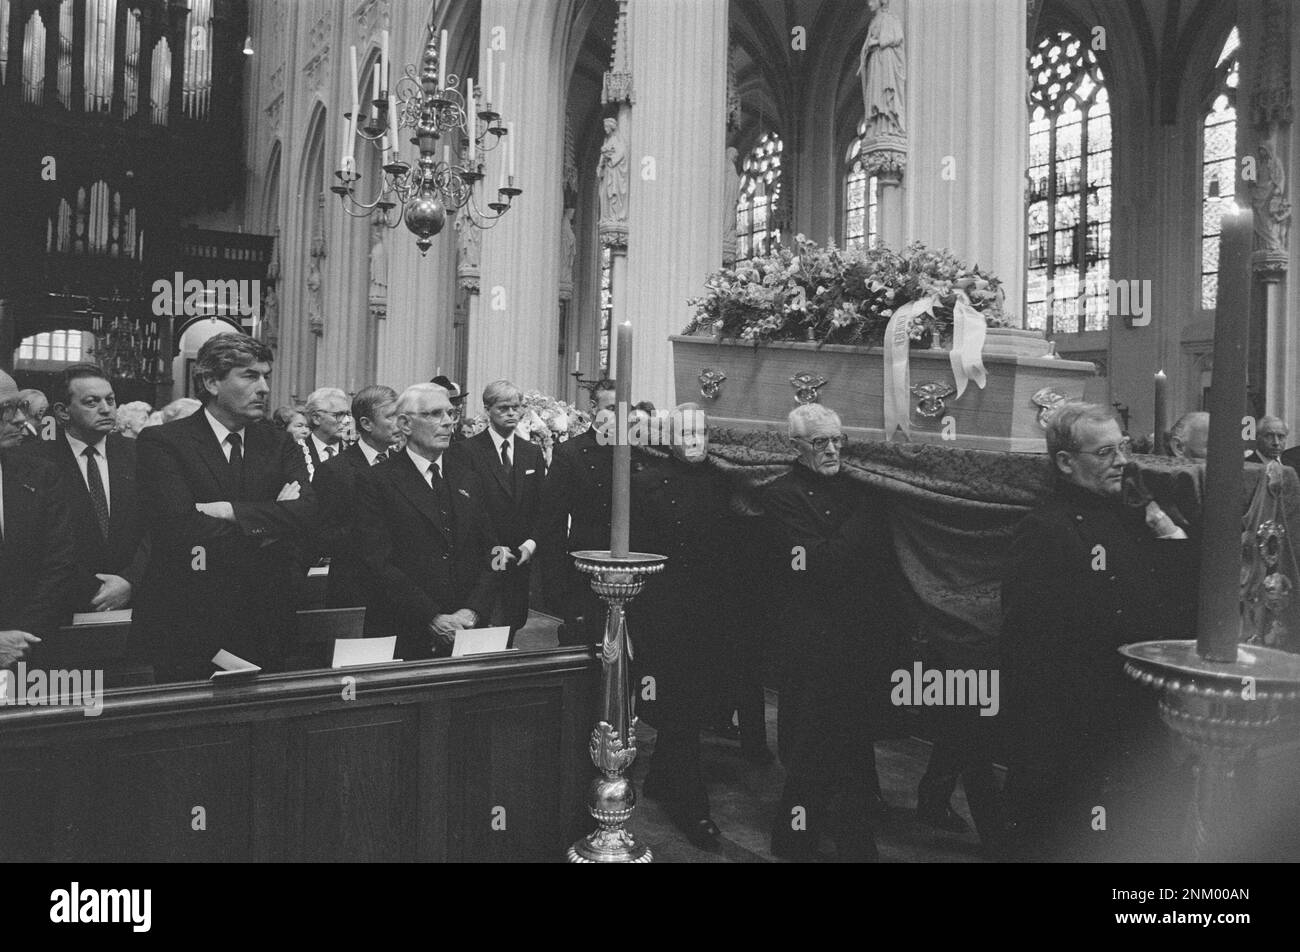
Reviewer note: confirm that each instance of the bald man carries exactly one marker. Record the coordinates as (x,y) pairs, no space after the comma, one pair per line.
(1189,437)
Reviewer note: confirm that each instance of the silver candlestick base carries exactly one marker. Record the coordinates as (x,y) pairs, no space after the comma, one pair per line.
(1224,710)
(612,798)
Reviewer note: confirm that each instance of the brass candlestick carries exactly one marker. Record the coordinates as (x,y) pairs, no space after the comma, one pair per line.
(617,580)
(1223,710)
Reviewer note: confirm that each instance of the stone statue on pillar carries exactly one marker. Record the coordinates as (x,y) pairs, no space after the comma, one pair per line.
(884,70)
(467,242)
(731,193)
(568,248)
(1272,207)
(315,305)
(378,269)
(614,174)
(271,316)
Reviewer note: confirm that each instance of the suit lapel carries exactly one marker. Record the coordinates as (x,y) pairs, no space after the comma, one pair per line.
(20,497)
(488,450)
(212,454)
(411,484)
(121,483)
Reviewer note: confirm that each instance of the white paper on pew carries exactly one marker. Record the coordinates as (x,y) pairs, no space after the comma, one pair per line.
(101,618)
(316,571)
(480,641)
(353,651)
(231,666)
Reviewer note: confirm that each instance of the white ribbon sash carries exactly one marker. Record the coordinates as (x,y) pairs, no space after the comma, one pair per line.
(897,381)
(966,356)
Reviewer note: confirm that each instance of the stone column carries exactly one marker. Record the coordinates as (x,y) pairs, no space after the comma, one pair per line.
(967,123)
(515,334)
(679,58)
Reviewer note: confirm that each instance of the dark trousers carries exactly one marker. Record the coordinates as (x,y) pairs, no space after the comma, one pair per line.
(962,749)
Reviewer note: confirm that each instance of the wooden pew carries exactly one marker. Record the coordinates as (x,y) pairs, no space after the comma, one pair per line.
(402,762)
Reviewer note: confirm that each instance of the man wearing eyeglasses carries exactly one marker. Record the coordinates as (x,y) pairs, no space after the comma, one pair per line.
(37,548)
(424,537)
(833,541)
(1086,573)
(327,412)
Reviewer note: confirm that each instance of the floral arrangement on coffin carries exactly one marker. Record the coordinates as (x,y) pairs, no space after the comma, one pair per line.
(843,296)
(542,419)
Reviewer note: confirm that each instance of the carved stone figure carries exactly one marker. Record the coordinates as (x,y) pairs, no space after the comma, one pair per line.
(613,172)
(468,239)
(731,198)
(883,71)
(1272,208)
(568,246)
(378,262)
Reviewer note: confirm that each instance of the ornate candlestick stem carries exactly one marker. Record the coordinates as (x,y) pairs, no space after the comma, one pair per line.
(1223,710)
(613,741)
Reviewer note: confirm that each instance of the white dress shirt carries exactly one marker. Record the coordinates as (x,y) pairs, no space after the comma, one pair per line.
(422,464)
(369,452)
(497,440)
(325,450)
(101,462)
(222,432)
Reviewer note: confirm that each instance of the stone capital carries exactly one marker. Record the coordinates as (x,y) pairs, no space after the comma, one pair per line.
(613,234)
(1269,265)
(884,162)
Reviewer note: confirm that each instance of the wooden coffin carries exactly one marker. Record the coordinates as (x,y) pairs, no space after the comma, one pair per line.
(758,393)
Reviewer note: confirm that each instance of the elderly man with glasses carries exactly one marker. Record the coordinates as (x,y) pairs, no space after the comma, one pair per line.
(38,555)
(1088,571)
(328,413)
(836,632)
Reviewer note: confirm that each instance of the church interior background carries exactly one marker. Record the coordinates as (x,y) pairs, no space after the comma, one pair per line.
(1070,147)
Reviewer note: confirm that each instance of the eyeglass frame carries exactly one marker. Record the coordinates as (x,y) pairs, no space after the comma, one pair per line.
(1110,450)
(838,442)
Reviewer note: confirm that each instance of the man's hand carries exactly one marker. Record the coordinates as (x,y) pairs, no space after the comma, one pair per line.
(115,593)
(526,551)
(466,618)
(444,628)
(15,644)
(217,510)
(1160,524)
(288,492)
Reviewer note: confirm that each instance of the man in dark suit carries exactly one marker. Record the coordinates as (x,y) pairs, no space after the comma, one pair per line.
(228,500)
(831,532)
(1270,440)
(681,509)
(37,550)
(1087,574)
(575,513)
(327,415)
(98,470)
(375,410)
(512,472)
(423,535)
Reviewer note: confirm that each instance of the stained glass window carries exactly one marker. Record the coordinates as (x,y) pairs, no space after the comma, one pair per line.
(757,229)
(606,306)
(1218,164)
(1069,202)
(861,198)
(60,346)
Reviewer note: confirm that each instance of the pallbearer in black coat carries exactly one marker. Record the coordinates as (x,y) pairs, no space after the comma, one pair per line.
(424,537)
(228,502)
(375,410)
(680,508)
(575,515)
(511,471)
(831,534)
(98,469)
(37,551)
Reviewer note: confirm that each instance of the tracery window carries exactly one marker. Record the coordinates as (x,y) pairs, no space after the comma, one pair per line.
(757,230)
(1069,204)
(861,194)
(1218,165)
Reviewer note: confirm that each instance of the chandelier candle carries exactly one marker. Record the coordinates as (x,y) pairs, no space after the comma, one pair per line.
(442,62)
(471,118)
(1162,413)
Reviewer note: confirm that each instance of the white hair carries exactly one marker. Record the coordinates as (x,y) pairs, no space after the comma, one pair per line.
(410,398)
(316,400)
(806,416)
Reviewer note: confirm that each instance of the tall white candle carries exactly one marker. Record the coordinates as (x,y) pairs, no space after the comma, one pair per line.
(383,58)
(501,87)
(446,154)
(442,62)
(577,361)
(510,147)
(355,88)
(471,119)
(488,73)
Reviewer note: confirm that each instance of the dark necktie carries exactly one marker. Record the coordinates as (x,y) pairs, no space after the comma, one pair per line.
(330,450)
(505,458)
(98,498)
(441,495)
(237,459)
